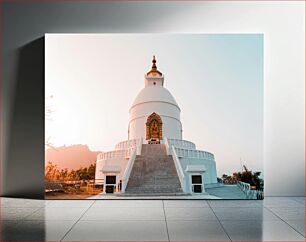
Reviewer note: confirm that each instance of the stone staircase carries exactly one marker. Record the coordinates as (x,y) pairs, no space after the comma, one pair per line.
(153,173)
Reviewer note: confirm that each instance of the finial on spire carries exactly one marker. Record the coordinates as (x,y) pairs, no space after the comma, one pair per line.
(154,63)
(154,71)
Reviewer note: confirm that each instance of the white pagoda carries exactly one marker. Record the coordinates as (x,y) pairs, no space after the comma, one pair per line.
(155,159)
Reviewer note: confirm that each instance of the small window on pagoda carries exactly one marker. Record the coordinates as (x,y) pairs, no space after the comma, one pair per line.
(196,179)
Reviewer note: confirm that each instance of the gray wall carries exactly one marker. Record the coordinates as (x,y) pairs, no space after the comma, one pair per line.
(24,25)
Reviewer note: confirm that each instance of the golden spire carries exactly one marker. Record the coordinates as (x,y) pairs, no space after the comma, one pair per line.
(154,71)
(154,63)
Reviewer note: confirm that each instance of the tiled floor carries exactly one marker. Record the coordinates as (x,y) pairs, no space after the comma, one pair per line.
(274,219)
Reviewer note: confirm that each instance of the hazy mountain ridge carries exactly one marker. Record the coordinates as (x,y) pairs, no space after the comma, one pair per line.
(71,157)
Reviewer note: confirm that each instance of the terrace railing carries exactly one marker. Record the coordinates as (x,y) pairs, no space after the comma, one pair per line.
(250,193)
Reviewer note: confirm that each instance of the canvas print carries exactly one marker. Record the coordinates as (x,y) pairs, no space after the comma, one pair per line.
(154,115)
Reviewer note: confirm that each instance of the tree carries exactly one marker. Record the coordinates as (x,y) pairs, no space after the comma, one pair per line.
(52,173)
(246,176)
(92,171)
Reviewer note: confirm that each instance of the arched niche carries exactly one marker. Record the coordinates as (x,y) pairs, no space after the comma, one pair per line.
(154,129)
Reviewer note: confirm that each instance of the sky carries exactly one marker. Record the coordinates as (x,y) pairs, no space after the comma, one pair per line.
(216,79)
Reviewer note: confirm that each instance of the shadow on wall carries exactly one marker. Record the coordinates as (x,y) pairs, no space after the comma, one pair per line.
(25,150)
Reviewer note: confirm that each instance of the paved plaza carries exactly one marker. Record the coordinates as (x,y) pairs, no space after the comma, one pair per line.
(274,219)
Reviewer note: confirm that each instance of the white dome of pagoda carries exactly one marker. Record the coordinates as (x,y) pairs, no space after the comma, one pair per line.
(154,94)
(154,98)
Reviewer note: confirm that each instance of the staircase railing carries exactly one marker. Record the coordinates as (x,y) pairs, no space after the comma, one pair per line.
(179,169)
(170,149)
(130,164)
(127,172)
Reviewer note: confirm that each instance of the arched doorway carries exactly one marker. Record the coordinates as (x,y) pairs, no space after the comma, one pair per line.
(154,129)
